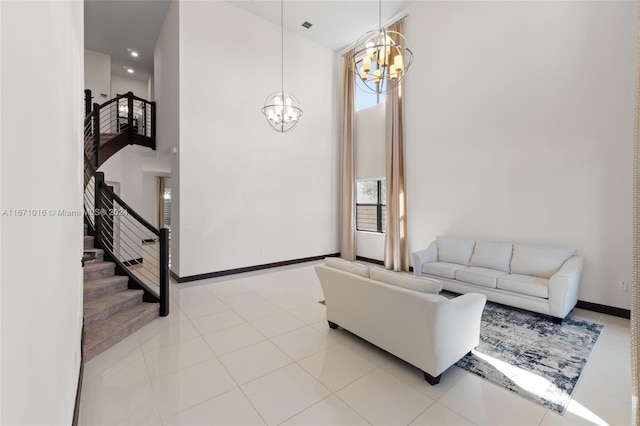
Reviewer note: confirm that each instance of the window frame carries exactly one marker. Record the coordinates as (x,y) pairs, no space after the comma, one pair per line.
(380,204)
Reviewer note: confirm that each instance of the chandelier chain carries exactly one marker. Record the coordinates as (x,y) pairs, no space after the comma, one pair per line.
(282,110)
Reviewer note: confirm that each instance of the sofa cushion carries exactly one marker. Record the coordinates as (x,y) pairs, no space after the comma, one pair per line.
(421,284)
(480,276)
(538,261)
(451,250)
(441,269)
(525,284)
(491,255)
(345,265)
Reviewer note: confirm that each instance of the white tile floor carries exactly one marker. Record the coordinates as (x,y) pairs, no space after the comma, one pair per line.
(255,349)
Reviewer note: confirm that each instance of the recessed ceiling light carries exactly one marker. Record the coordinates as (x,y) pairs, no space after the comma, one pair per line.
(129,70)
(134,53)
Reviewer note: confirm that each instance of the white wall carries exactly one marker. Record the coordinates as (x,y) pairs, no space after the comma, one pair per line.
(150,198)
(129,167)
(520,121)
(97,75)
(249,195)
(166,86)
(370,245)
(41,168)
(150,87)
(122,85)
(1,207)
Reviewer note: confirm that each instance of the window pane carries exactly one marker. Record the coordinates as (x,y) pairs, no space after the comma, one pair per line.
(364,98)
(366,218)
(367,192)
(383,192)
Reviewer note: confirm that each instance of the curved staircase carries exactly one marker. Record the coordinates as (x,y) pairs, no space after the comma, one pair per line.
(121,292)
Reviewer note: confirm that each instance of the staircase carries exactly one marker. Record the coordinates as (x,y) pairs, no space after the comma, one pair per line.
(131,287)
(111,310)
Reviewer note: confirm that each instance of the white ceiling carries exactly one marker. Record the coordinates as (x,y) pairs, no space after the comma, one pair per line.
(114,26)
(336,24)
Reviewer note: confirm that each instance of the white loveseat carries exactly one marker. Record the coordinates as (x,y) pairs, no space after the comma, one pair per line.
(401,314)
(535,278)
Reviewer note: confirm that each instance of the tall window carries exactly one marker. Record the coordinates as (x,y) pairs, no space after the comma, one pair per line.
(371,202)
(364,98)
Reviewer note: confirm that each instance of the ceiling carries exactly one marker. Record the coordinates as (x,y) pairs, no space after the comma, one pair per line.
(336,24)
(117,26)
(113,26)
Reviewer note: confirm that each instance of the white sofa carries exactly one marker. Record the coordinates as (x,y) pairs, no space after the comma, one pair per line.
(535,278)
(401,314)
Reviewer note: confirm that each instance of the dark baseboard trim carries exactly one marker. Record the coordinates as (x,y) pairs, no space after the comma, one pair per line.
(366,259)
(604,309)
(174,275)
(132,262)
(76,408)
(248,269)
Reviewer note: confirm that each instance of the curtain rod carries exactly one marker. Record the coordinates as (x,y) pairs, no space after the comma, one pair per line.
(385,24)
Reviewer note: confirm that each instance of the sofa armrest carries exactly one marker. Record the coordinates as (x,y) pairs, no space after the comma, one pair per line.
(428,255)
(457,329)
(563,287)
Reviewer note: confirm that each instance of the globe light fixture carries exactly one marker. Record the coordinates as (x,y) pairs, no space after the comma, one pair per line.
(381,58)
(281,109)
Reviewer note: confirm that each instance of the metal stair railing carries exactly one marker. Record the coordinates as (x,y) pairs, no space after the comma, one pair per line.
(138,249)
(123,114)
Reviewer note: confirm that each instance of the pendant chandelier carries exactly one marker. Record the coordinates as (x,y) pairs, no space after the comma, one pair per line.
(381,58)
(281,109)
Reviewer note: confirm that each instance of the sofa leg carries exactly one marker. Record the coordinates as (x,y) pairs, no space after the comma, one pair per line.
(556,320)
(332,325)
(430,379)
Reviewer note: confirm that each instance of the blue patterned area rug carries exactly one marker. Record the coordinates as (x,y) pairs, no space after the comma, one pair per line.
(528,354)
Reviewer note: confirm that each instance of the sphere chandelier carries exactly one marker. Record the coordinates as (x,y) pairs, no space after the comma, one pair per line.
(281,109)
(381,58)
